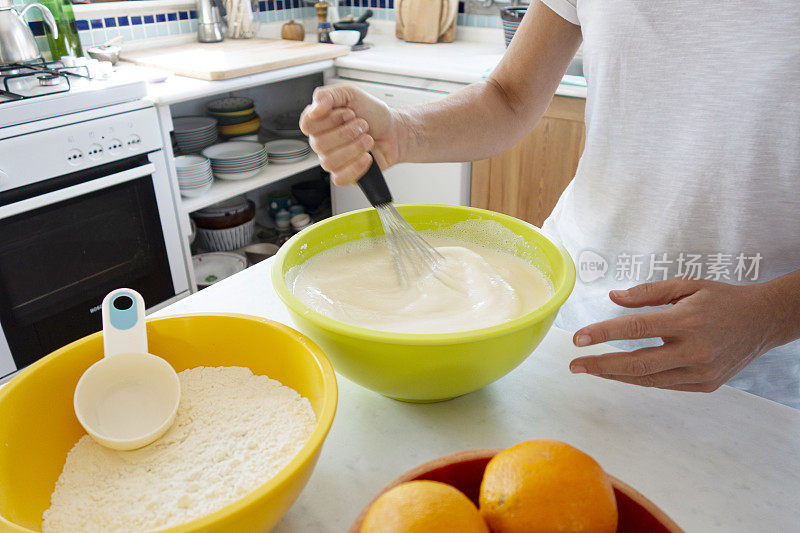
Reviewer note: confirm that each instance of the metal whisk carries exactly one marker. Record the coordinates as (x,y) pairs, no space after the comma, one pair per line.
(411,254)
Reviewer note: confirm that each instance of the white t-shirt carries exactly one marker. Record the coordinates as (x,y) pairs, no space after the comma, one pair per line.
(692,149)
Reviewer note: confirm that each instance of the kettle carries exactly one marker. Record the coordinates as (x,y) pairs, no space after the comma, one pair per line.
(17,44)
(211,23)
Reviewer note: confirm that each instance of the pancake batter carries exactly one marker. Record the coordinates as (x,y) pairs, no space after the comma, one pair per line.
(475,287)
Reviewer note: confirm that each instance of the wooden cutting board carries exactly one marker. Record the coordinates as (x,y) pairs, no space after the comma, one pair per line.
(233,58)
(412,11)
(421,20)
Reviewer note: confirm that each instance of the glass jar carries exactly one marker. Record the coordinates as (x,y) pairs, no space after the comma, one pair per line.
(324,32)
(68,43)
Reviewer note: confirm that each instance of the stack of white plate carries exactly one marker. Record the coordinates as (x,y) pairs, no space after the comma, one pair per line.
(195,133)
(236,160)
(287,150)
(194,174)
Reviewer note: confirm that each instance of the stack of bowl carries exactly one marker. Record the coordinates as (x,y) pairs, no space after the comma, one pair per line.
(287,150)
(236,160)
(512,17)
(236,116)
(361,27)
(194,174)
(226,225)
(195,133)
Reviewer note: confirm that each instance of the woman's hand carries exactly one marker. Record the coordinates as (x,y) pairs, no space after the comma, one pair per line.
(710,333)
(343,123)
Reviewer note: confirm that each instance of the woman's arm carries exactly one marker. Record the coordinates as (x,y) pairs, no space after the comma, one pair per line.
(484,119)
(488,118)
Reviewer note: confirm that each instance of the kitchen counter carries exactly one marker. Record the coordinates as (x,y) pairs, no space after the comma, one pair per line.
(726,461)
(468,59)
(165,88)
(459,61)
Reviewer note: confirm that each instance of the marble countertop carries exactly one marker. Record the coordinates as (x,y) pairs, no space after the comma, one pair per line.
(165,88)
(462,61)
(470,58)
(726,461)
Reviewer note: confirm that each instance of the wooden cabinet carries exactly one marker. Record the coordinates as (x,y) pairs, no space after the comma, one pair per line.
(527,180)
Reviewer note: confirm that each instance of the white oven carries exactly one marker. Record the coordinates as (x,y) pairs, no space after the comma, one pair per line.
(86,207)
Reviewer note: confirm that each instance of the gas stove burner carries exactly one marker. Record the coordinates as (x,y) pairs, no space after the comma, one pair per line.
(20,81)
(49,80)
(24,101)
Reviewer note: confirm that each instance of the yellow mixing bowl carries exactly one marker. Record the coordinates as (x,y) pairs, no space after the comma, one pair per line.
(426,367)
(38,425)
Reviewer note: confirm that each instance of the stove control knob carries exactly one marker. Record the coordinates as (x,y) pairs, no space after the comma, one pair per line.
(74,157)
(133,142)
(95,151)
(114,146)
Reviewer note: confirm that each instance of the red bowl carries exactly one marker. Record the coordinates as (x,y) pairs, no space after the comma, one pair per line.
(464,471)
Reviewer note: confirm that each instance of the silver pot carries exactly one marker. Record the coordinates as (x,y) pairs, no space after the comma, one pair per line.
(17,43)
(211,22)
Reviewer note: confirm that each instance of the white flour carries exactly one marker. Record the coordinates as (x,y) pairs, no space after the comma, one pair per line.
(234,430)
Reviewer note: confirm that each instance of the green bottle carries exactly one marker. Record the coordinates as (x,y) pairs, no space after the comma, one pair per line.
(68,43)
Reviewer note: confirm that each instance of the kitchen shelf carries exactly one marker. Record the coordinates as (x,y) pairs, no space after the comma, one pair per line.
(224,189)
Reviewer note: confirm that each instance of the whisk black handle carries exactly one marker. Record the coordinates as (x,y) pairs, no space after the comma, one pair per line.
(374,186)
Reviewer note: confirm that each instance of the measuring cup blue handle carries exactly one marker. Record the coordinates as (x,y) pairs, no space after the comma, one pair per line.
(123,323)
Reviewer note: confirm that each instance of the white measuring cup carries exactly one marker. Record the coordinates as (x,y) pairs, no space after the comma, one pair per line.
(130,397)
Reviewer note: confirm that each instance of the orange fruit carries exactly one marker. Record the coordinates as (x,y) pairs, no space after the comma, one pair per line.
(545,486)
(423,507)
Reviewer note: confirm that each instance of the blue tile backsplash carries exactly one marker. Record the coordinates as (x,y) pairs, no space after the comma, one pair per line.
(160,24)
(384,10)
(148,25)
(37,26)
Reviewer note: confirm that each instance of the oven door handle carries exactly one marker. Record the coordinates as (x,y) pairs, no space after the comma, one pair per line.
(80,189)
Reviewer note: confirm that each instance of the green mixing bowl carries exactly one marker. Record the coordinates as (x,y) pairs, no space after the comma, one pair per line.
(426,367)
